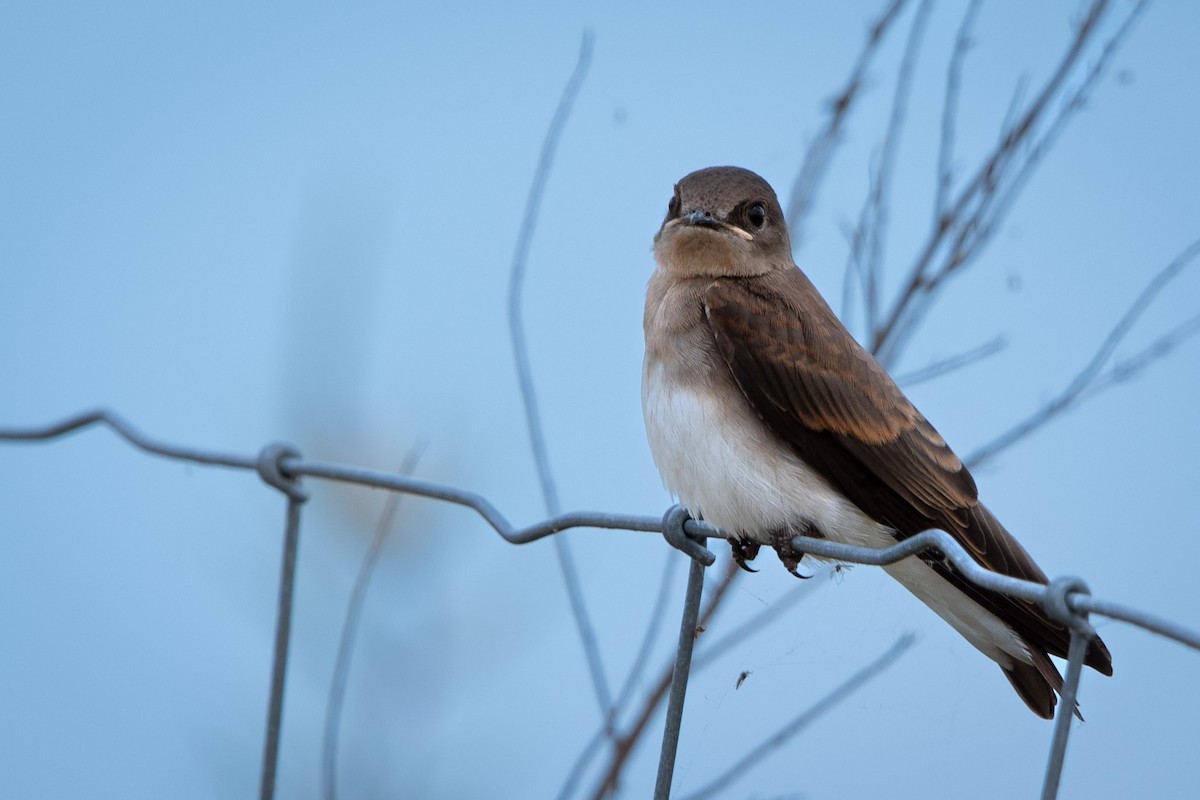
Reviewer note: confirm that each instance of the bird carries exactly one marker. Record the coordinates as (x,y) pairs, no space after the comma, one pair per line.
(768,420)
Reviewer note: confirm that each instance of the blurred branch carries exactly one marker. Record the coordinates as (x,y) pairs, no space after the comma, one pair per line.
(707,653)
(358,597)
(1131,367)
(943,366)
(866,251)
(962,43)
(807,717)
(966,225)
(533,419)
(760,621)
(820,152)
(1073,103)
(624,745)
(631,679)
(956,223)
(1092,378)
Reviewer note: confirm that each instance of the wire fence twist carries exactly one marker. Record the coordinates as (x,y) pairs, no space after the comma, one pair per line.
(1066,599)
(973,209)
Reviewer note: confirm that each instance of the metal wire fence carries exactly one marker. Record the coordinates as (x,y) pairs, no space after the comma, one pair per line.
(978,206)
(1066,599)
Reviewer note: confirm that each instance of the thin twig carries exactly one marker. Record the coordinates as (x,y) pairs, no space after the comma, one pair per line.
(819,153)
(712,650)
(810,715)
(582,762)
(886,341)
(706,653)
(1131,366)
(656,616)
(358,597)
(877,227)
(953,363)
(625,744)
(533,419)
(865,259)
(1092,371)
(973,230)
(962,44)
(995,206)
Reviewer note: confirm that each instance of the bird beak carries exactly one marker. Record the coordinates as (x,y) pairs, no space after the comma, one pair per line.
(703,219)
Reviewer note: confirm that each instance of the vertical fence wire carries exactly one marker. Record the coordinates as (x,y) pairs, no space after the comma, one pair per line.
(283,626)
(679,678)
(268,468)
(281,467)
(1062,724)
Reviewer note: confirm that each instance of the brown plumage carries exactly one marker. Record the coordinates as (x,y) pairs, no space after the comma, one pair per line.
(827,400)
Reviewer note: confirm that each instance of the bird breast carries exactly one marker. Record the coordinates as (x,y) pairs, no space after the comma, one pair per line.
(726,467)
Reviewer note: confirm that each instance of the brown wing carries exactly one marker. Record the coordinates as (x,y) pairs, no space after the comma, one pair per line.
(817,389)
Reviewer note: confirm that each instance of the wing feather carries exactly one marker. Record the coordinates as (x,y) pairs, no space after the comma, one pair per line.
(818,390)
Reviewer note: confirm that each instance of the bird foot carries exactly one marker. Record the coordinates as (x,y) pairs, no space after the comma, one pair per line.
(743,551)
(781,540)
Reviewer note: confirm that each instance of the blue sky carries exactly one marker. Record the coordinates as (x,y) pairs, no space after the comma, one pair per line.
(236,224)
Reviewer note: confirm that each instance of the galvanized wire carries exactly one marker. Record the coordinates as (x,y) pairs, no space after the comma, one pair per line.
(281,467)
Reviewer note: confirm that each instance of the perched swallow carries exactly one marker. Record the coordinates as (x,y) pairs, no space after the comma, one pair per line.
(768,420)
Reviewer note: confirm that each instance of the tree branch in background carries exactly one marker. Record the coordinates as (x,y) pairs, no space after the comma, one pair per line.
(954,363)
(807,717)
(1074,102)
(1092,378)
(945,176)
(354,610)
(866,252)
(820,152)
(965,222)
(624,745)
(533,418)
(606,731)
(954,241)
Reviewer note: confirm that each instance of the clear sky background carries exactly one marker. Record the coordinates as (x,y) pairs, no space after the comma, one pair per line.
(236,224)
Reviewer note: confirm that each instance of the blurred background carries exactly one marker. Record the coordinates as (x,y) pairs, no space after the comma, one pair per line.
(235,224)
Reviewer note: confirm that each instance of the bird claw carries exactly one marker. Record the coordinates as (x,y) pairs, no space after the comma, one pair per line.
(781,540)
(743,552)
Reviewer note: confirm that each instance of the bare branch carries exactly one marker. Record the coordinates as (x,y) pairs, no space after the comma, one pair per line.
(1002,200)
(533,419)
(707,653)
(624,745)
(1092,373)
(358,597)
(1134,365)
(872,222)
(956,225)
(820,152)
(962,43)
(807,717)
(760,621)
(651,634)
(988,211)
(631,679)
(943,366)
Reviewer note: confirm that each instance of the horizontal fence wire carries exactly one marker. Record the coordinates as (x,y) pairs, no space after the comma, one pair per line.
(1066,599)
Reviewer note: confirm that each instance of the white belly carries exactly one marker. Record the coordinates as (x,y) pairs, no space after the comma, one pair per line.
(726,467)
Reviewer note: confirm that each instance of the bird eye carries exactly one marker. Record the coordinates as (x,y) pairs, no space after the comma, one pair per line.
(756,215)
(673,206)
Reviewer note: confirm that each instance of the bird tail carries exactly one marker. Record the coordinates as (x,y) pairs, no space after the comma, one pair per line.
(1038,684)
